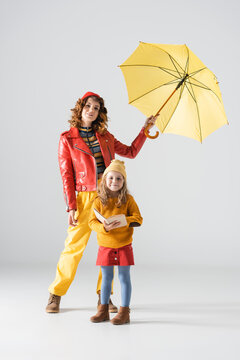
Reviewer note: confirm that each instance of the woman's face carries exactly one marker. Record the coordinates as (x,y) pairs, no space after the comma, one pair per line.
(90,112)
(114,181)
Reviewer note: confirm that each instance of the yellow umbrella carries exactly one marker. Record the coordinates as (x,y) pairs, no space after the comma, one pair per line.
(172,82)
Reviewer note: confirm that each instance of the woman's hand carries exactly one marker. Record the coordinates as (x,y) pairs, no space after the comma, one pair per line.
(150,121)
(111,226)
(71,218)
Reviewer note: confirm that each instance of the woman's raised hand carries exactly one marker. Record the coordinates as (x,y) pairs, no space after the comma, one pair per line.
(150,121)
(71,218)
(111,226)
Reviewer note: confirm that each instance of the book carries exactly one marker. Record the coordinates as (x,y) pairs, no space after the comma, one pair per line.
(120,217)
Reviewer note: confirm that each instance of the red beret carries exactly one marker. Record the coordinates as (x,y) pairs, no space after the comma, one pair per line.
(89,93)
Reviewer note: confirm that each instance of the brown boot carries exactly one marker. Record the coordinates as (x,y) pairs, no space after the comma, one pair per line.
(53,303)
(101,315)
(122,317)
(112,308)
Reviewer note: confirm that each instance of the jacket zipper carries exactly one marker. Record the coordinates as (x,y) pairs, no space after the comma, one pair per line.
(74,169)
(109,152)
(83,151)
(66,199)
(94,160)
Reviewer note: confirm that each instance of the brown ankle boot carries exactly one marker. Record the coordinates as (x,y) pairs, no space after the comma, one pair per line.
(101,315)
(53,303)
(112,308)
(122,317)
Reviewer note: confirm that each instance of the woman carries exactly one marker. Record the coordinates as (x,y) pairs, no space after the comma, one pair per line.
(84,153)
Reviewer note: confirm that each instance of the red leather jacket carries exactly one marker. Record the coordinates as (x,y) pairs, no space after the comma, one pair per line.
(77,164)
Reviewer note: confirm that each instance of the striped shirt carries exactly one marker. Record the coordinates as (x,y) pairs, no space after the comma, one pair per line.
(89,137)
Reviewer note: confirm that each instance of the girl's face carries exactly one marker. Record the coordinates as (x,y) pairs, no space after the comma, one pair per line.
(90,112)
(114,181)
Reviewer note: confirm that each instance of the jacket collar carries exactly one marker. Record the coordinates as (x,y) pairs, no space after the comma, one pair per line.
(78,142)
(74,132)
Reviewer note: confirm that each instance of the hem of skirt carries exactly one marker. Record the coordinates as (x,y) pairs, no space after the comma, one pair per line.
(109,264)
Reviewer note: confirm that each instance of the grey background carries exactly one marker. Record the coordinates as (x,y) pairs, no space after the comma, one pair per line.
(52,52)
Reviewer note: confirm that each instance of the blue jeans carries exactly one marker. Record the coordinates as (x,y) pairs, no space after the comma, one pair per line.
(125,281)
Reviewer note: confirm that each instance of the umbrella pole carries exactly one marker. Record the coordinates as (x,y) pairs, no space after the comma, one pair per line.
(146,131)
(165,102)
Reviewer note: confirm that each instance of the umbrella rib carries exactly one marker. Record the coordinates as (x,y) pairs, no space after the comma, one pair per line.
(197,113)
(164,68)
(157,66)
(197,71)
(190,93)
(165,52)
(180,95)
(187,62)
(171,58)
(169,83)
(168,71)
(204,87)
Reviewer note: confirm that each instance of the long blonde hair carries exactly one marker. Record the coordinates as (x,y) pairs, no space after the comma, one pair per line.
(104,194)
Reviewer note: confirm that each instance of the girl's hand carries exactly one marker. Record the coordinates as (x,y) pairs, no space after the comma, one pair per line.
(111,226)
(71,218)
(150,121)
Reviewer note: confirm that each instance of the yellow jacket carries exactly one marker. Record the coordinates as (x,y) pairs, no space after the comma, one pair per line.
(117,237)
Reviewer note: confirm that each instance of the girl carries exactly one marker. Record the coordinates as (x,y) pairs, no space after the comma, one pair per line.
(115,243)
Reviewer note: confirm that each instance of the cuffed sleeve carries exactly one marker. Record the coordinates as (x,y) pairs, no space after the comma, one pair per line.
(133,210)
(93,222)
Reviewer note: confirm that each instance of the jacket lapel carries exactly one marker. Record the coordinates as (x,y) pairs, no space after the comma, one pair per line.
(78,142)
(105,148)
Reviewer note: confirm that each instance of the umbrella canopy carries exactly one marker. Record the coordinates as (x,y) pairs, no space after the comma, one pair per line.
(170,80)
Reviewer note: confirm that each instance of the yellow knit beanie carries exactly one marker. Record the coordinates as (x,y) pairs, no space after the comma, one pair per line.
(116,165)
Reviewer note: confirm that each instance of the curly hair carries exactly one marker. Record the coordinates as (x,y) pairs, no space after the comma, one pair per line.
(100,124)
(104,194)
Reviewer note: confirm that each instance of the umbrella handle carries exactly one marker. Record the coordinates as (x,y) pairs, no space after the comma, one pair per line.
(148,135)
(157,133)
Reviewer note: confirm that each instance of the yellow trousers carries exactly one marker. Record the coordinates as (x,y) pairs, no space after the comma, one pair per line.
(75,245)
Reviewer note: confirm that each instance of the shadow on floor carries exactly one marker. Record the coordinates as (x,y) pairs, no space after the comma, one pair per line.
(65,310)
(192,314)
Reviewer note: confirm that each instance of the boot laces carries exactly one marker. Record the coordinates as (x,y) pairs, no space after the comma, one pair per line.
(54,299)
